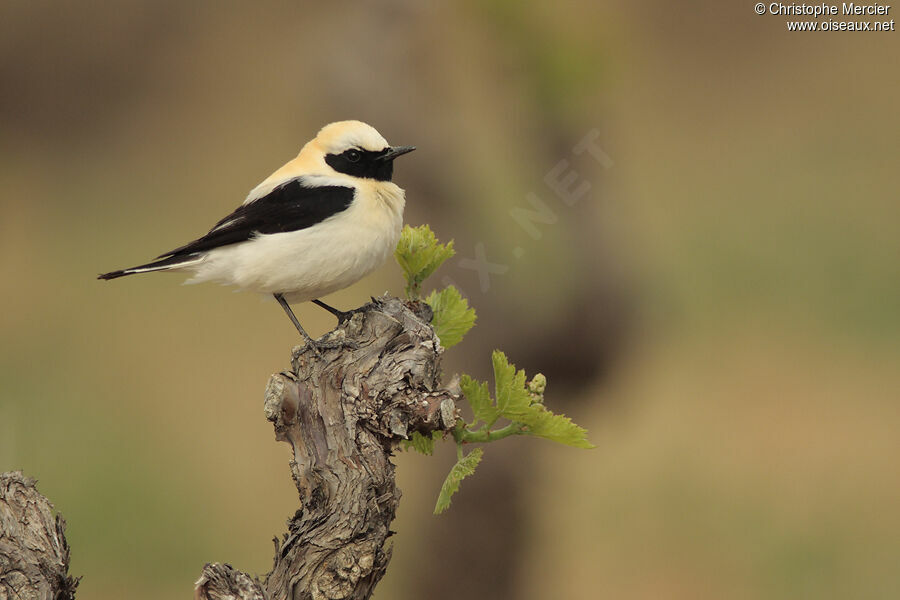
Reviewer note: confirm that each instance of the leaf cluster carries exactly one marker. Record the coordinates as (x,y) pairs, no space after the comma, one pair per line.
(518,402)
(419,254)
(517,405)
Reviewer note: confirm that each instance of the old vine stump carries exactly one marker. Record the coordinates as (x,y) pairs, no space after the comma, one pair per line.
(343,414)
(34,555)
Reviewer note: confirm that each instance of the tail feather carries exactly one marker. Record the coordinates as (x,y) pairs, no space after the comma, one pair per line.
(166,264)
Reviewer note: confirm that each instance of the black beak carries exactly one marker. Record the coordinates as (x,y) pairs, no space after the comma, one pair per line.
(392,153)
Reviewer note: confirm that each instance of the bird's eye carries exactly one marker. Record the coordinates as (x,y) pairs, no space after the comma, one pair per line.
(353,155)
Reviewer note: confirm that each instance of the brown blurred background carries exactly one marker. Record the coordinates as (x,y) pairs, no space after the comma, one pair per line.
(721,309)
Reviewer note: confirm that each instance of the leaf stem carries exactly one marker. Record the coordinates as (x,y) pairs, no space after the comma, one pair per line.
(467,436)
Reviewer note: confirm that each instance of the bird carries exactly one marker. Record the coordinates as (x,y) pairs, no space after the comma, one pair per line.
(318,224)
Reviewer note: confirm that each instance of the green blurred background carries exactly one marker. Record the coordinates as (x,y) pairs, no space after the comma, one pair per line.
(722,310)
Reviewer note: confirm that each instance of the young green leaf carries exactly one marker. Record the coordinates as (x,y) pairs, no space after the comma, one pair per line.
(513,400)
(559,428)
(452,316)
(521,403)
(479,398)
(464,467)
(418,253)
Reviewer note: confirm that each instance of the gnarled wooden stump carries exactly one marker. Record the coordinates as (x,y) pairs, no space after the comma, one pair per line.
(34,555)
(342,415)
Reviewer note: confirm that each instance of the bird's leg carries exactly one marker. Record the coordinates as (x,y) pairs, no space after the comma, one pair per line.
(340,314)
(316,346)
(311,342)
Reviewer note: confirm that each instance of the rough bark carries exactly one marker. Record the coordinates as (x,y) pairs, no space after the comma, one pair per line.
(375,381)
(34,554)
(342,414)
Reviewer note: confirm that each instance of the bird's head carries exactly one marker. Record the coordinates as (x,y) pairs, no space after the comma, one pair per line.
(356,149)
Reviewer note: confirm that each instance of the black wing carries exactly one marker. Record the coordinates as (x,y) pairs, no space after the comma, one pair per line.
(289,207)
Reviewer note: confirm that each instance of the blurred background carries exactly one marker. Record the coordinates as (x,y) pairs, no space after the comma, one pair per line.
(721,307)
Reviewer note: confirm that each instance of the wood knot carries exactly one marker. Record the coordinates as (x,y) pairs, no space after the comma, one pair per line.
(338,575)
(224,582)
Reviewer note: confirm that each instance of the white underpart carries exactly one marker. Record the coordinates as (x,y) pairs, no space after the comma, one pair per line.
(313,262)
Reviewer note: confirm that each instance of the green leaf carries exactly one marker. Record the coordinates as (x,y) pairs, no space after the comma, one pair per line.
(479,398)
(559,428)
(418,253)
(464,467)
(522,404)
(452,316)
(513,400)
